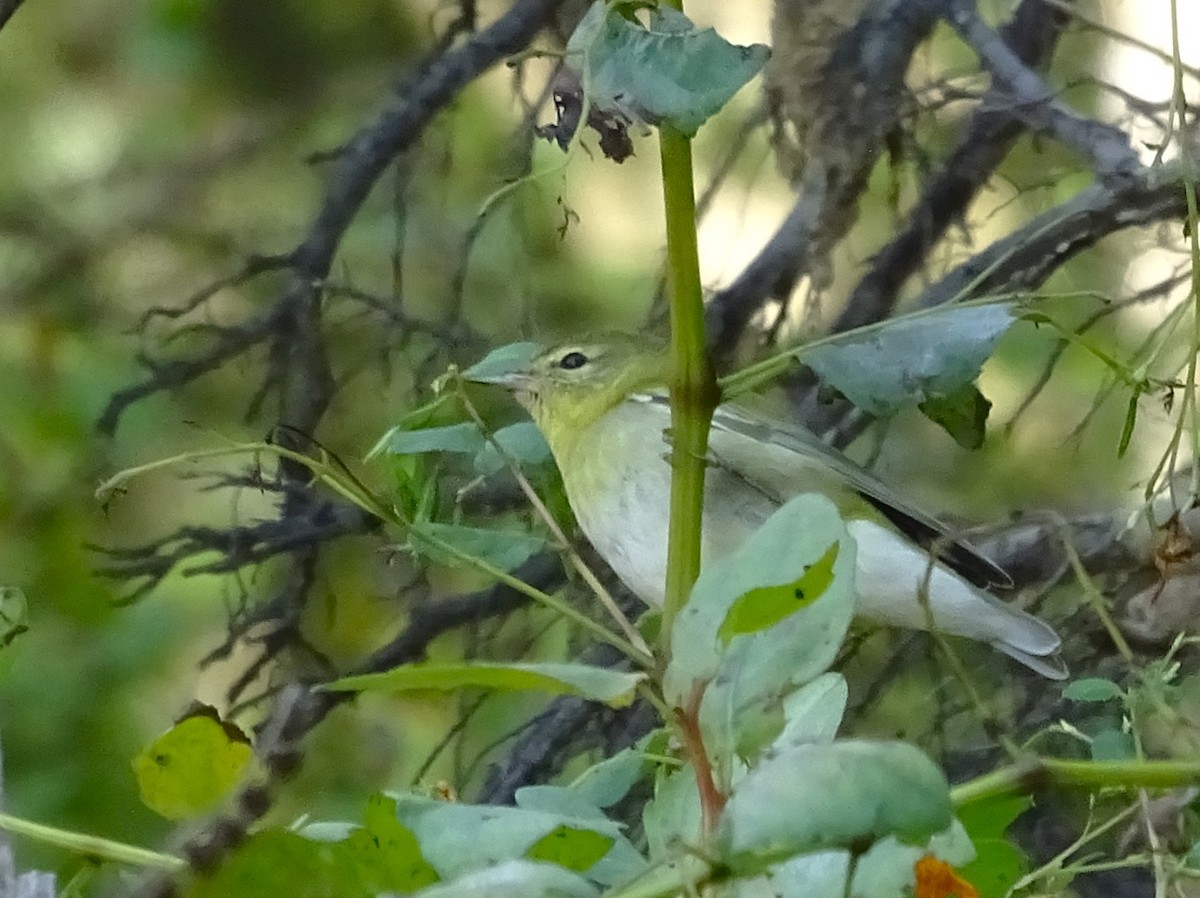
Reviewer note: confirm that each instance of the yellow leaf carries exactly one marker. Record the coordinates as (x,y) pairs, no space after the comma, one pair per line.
(192,766)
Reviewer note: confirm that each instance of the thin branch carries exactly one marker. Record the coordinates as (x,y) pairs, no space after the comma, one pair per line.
(367,155)
(1107,149)
(991,132)
(863,82)
(1024,258)
(251,268)
(298,365)
(172,374)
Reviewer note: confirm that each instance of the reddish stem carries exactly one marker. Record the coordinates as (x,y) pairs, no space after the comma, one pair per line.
(712,799)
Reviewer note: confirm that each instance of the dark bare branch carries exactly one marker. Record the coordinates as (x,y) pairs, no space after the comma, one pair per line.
(991,132)
(7,9)
(1024,258)
(1106,149)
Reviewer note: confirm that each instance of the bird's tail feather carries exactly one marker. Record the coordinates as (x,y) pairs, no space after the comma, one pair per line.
(1050,665)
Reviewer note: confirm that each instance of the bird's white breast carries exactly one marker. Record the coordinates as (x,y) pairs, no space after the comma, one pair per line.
(620,488)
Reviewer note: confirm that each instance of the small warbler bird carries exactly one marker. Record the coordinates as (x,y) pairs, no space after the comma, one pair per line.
(602,406)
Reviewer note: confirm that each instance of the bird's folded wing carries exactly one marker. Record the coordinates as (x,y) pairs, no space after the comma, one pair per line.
(793,460)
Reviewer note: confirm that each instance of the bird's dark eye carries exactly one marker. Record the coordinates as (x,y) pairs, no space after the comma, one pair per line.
(573,361)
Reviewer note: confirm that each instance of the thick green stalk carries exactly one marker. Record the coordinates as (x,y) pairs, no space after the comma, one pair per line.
(693,388)
(1034,773)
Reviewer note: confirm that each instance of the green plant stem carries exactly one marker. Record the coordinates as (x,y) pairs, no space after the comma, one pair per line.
(693,387)
(91,846)
(1037,772)
(1186,151)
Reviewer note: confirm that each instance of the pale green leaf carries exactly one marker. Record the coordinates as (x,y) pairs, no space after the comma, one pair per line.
(514,879)
(459,438)
(441,410)
(608,781)
(1113,745)
(669,72)
(672,817)
(613,687)
(911,359)
(750,676)
(522,442)
(885,870)
(576,842)
(811,797)
(504,549)
(798,536)
(460,838)
(1092,689)
(814,712)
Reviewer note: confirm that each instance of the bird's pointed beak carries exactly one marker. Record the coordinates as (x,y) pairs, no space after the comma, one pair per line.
(513,380)
(507,366)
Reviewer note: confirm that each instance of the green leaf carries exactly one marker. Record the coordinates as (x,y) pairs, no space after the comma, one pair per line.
(461,438)
(998,863)
(325,860)
(885,870)
(522,442)
(442,410)
(1112,745)
(672,817)
(573,843)
(768,605)
(569,847)
(797,537)
(814,712)
(460,838)
(1092,689)
(669,72)
(279,862)
(1192,858)
(607,782)
(502,361)
(991,818)
(385,852)
(813,797)
(996,869)
(505,549)
(193,766)
(613,687)
(514,879)
(1131,412)
(962,414)
(911,359)
(748,678)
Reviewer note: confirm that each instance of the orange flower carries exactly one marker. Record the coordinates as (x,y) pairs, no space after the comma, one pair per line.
(937,879)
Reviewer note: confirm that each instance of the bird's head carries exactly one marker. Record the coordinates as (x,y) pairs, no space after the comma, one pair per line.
(572,385)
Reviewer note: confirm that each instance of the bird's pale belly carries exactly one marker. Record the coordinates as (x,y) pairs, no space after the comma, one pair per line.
(627,518)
